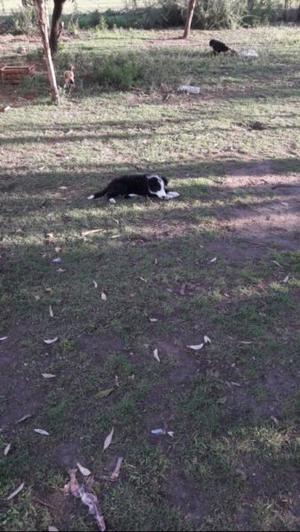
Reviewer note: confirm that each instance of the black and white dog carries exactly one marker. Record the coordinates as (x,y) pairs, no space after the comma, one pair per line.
(129,186)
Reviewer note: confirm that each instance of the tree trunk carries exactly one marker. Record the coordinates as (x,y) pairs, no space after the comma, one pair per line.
(40,8)
(189,18)
(250,5)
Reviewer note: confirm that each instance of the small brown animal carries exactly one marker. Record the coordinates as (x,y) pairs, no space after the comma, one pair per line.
(69,78)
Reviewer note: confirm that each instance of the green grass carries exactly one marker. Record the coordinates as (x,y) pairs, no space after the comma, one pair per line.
(7,6)
(234,405)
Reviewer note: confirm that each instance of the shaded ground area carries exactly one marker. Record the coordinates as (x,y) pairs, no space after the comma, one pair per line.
(222,261)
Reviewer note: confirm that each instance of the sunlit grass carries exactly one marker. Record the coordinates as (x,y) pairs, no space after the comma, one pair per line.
(233,404)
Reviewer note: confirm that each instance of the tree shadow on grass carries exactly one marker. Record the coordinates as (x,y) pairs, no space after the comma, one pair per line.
(218,403)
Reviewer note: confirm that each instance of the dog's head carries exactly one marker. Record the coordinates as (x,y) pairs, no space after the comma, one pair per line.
(157,184)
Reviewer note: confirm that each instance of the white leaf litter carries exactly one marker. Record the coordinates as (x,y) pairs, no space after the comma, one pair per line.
(14,493)
(90,500)
(7,449)
(248,52)
(285,280)
(50,341)
(3,338)
(52,529)
(51,311)
(153,320)
(196,347)
(91,231)
(190,89)
(207,339)
(95,284)
(42,432)
(23,418)
(103,296)
(156,355)
(87,498)
(116,472)
(108,439)
(213,260)
(275,420)
(57,260)
(48,375)
(83,470)
(161,432)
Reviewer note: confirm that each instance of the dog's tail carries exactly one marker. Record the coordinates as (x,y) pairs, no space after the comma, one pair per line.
(98,194)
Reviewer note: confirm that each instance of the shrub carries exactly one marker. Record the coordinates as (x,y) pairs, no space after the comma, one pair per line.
(24,21)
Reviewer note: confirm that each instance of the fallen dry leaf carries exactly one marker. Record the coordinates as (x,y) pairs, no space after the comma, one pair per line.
(91,232)
(162,432)
(51,311)
(153,320)
(50,237)
(72,486)
(213,260)
(275,420)
(50,340)
(104,393)
(52,529)
(48,375)
(57,260)
(116,472)
(7,449)
(156,355)
(42,432)
(3,338)
(158,432)
(95,284)
(206,339)
(23,418)
(83,470)
(91,501)
(285,280)
(182,289)
(14,493)
(103,296)
(108,439)
(196,347)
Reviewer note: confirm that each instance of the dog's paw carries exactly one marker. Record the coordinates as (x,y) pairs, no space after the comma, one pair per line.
(112,200)
(172,195)
(91,197)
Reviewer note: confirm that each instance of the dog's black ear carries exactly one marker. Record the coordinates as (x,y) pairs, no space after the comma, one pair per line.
(165,180)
